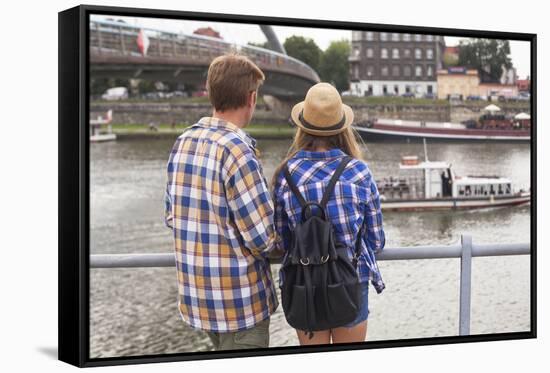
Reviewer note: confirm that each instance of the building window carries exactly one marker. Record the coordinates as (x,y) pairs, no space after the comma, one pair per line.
(395,70)
(383,36)
(355,35)
(407,53)
(406,37)
(370,71)
(356,51)
(395,53)
(418,71)
(395,37)
(384,71)
(430,71)
(407,70)
(370,35)
(370,90)
(385,89)
(396,89)
(383,53)
(370,52)
(429,54)
(429,38)
(418,53)
(356,71)
(430,89)
(417,37)
(408,88)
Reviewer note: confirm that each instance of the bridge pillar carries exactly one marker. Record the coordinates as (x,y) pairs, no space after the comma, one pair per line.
(279,107)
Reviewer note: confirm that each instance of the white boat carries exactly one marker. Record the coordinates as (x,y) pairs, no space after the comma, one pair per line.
(96,134)
(430,185)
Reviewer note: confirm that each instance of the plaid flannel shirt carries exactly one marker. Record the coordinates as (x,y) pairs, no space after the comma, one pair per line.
(354,205)
(221,214)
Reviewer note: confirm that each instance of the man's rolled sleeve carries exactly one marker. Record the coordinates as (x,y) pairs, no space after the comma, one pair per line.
(168,218)
(250,203)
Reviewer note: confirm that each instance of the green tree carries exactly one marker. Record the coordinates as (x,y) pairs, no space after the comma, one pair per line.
(488,56)
(450,60)
(334,67)
(305,50)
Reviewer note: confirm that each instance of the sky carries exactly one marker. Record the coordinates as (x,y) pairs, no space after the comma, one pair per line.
(244,33)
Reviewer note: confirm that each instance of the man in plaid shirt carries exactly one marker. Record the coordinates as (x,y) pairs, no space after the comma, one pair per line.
(221,214)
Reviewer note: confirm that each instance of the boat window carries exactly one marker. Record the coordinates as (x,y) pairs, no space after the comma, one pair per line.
(508,188)
(468,190)
(461,191)
(500,189)
(492,189)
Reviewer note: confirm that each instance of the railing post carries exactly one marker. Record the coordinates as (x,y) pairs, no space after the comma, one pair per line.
(122,43)
(465,285)
(99,38)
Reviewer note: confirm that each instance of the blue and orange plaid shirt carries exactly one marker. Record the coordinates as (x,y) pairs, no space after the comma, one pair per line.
(354,205)
(221,214)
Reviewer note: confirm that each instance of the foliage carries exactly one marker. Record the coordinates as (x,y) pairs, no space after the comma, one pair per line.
(334,67)
(305,50)
(488,56)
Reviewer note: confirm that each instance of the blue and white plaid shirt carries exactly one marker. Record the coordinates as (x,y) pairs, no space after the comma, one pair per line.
(221,213)
(354,204)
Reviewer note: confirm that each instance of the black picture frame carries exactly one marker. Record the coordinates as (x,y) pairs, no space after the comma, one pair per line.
(74,190)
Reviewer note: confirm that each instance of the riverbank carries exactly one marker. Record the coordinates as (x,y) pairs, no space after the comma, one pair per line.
(163,130)
(189,110)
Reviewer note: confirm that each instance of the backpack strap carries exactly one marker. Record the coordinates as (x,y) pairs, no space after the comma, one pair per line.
(294,188)
(337,173)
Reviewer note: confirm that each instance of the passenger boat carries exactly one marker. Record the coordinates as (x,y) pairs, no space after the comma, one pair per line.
(486,129)
(96,135)
(429,185)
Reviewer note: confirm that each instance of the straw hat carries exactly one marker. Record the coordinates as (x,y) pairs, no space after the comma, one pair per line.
(322,113)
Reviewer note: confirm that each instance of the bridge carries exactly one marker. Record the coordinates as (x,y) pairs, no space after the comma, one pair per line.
(124,51)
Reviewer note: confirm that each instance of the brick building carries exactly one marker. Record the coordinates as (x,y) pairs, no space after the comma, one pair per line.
(383,63)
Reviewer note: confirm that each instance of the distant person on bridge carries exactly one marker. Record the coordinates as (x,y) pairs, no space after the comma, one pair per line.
(221,213)
(329,223)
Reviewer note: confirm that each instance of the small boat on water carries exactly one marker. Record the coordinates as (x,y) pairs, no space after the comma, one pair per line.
(489,127)
(96,134)
(430,185)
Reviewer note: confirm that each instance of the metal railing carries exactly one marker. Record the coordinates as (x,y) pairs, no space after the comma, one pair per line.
(116,38)
(465,251)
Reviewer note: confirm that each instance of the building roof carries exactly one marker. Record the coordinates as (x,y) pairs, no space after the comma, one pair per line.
(457,70)
(452,49)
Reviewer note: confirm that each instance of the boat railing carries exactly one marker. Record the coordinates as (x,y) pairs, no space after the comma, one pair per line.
(465,250)
(402,187)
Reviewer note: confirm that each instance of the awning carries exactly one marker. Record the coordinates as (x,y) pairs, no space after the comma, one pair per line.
(522,116)
(492,107)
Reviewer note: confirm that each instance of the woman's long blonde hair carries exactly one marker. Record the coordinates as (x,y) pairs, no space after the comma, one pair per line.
(347,141)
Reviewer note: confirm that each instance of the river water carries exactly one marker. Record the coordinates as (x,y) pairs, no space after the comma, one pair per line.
(134,311)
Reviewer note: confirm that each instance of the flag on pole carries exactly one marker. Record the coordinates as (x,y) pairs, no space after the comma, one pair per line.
(142,42)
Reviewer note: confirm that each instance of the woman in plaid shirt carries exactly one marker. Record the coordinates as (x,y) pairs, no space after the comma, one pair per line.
(324,136)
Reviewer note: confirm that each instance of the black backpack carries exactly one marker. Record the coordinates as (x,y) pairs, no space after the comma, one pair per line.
(320,288)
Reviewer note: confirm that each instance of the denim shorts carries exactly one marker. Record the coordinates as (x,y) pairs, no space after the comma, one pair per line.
(364,310)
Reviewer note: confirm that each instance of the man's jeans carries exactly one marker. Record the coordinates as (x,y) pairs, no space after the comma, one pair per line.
(255,337)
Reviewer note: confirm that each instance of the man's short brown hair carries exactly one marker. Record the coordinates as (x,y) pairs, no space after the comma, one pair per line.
(231,78)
